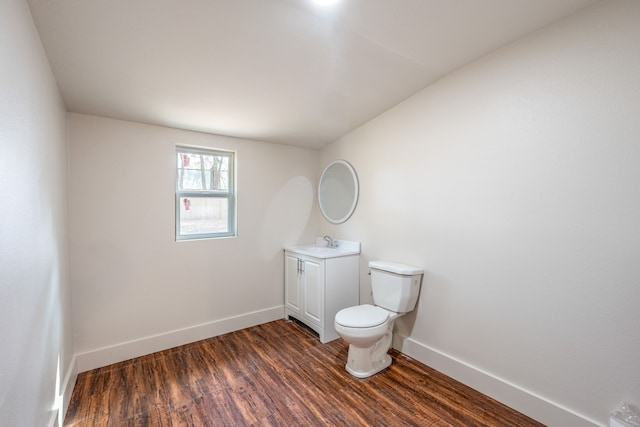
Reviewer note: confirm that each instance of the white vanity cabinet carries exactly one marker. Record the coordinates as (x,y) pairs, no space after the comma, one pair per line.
(316,288)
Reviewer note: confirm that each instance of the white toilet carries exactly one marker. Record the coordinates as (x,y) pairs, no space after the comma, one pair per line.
(368,329)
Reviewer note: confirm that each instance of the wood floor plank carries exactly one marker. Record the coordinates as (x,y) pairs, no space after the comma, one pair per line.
(276,374)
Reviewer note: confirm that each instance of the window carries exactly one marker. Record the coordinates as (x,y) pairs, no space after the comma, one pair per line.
(205,195)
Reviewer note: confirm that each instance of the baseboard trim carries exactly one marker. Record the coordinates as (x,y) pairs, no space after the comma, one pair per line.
(66,390)
(68,384)
(512,395)
(53,419)
(127,350)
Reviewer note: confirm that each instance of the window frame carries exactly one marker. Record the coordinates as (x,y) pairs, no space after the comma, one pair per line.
(230,194)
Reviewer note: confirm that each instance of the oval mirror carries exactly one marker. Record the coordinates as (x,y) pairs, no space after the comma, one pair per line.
(338,191)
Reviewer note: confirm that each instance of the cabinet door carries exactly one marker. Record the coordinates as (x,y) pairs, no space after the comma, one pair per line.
(313,285)
(292,282)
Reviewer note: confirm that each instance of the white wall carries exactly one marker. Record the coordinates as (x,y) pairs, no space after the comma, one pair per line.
(515,183)
(35,323)
(136,290)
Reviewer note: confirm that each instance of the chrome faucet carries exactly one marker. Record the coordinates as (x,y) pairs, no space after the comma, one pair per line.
(330,242)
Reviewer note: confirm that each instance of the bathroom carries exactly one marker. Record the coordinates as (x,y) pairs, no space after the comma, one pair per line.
(521,207)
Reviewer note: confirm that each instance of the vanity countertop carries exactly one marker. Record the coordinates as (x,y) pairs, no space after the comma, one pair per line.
(321,250)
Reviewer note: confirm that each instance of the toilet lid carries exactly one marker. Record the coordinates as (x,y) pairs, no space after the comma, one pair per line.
(362,316)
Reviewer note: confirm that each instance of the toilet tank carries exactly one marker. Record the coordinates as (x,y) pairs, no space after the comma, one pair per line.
(395,286)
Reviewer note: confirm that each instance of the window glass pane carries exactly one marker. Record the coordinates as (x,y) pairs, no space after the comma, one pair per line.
(218,173)
(189,171)
(202,172)
(201,215)
(190,180)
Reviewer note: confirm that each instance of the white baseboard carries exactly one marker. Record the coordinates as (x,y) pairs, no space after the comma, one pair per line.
(68,384)
(524,401)
(140,347)
(66,390)
(53,419)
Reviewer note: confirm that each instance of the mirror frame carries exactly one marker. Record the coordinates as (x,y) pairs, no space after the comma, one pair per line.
(354,202)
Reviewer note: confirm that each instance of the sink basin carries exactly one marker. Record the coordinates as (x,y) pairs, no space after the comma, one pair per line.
(344,248)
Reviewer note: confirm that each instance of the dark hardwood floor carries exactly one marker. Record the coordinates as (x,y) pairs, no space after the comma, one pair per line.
(275,374)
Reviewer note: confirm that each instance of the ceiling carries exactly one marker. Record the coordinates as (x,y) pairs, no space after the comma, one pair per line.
(284,71)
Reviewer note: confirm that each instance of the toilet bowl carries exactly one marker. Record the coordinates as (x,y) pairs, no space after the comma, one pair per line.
(369,328)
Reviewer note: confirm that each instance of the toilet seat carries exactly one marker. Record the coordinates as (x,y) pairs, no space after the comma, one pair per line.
(362,316)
